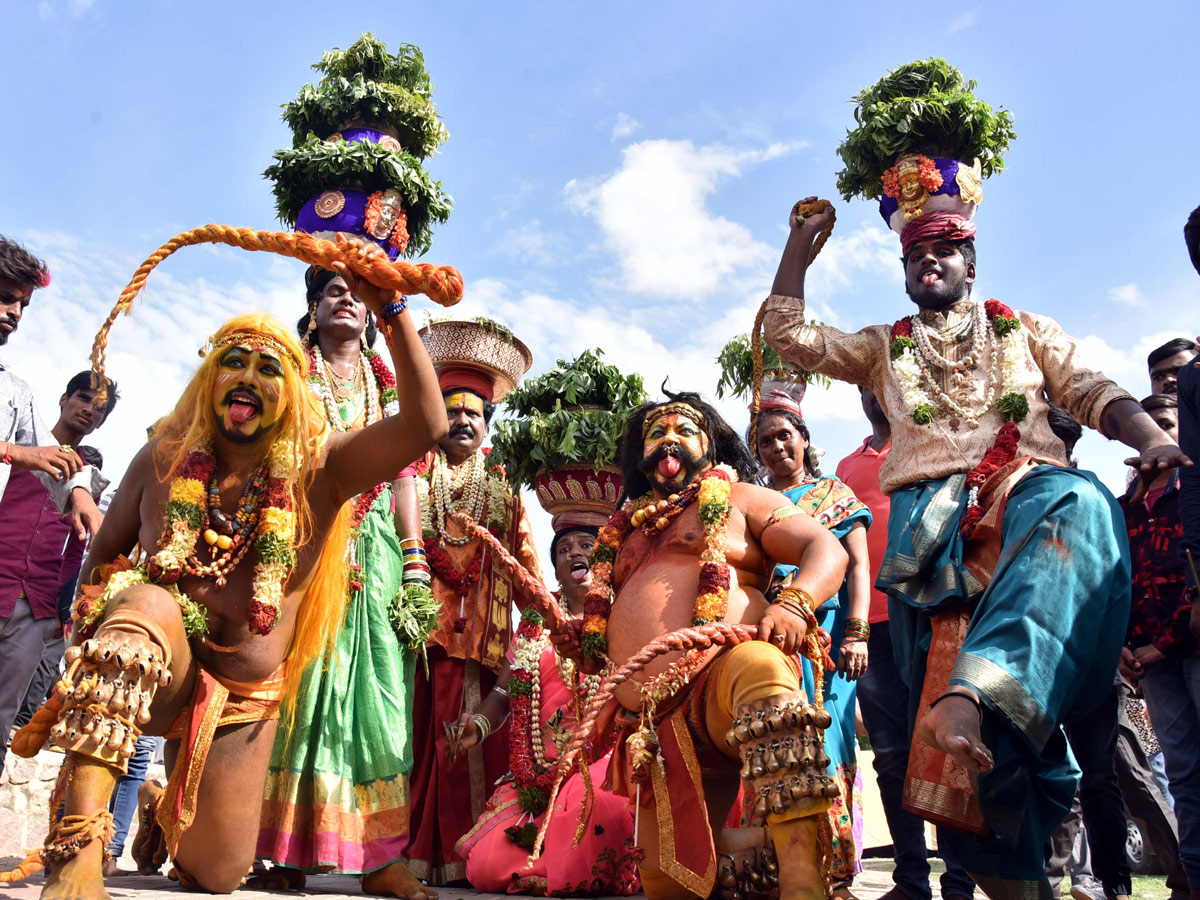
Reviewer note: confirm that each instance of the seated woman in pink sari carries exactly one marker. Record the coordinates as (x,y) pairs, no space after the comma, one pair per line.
(547,697)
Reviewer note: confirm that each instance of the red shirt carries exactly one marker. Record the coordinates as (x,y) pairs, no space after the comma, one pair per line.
(860,470)
(38,549)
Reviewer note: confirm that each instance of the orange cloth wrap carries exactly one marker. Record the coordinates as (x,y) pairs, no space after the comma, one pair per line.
(216,702)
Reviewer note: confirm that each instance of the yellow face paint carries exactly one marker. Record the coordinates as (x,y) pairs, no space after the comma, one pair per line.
(464,400)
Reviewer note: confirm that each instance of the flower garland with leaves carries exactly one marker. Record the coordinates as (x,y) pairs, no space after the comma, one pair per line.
(916,380)
(714,491)
(1013,405)
(187,517)
(533,774)
(385,388)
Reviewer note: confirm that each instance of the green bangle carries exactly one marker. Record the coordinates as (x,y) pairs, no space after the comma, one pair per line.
(484,724)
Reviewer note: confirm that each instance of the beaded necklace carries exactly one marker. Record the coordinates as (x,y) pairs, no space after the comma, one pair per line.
(713,491)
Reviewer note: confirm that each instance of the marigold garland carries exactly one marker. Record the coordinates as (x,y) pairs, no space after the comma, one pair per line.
(186,518)
(714,491)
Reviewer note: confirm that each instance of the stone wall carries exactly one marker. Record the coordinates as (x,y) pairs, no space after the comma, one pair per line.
(25,786)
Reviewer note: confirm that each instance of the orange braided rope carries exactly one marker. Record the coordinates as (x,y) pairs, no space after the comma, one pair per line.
(30,865)
(543,601)
(442,284)
(699,638)
(32,736)
(756,353)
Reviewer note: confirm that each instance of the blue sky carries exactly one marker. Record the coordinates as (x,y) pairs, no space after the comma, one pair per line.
(622,173)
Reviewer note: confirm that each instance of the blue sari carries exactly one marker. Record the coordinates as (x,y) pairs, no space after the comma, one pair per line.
(1045,620)
(833,504)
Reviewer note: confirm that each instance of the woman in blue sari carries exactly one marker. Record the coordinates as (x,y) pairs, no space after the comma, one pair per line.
(784,448)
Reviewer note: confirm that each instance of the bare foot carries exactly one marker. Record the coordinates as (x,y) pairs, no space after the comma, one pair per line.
(397,880)
(279,878)
(952,726)
(111,870)
(149,849)
(78,878)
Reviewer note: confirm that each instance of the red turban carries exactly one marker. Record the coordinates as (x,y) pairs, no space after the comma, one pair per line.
(777,399)
(467,378)
(945,226)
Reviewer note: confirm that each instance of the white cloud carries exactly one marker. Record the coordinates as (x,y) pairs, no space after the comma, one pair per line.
(151,354)
(871,249)
(49,10)
(1128,294)
(654,216)
(531,243)
(963,21)
(624,126)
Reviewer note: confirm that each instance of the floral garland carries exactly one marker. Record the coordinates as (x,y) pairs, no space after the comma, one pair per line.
(714,491)
(1002,452)
(533,774)
(494,491)
(1012,405)
(435,487)
(187,517)
(913,370)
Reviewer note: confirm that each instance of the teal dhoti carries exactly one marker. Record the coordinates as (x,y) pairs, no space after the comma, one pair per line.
(1044,628)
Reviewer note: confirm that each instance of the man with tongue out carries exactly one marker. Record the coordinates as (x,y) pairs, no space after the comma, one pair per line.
(240,500)
(1007,572)
(696,544)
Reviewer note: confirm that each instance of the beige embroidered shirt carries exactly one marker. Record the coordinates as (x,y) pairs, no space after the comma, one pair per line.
(1050,369)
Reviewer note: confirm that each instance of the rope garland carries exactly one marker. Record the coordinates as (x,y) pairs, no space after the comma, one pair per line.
(442,284)
(756,353)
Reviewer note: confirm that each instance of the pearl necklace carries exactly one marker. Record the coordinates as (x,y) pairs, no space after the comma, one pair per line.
(469,481)
(977,333)
(927,357)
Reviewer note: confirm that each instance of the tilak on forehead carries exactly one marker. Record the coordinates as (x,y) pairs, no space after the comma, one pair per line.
(464,400)
(251,340)
(672,409)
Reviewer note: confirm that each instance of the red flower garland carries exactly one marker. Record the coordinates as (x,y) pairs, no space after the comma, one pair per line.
(444,569)
(1002,452)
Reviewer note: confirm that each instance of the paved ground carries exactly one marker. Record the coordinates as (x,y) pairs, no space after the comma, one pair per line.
(870,885)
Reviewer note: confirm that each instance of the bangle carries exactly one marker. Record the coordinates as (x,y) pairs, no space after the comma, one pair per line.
(798,596)
(484,724)
(499,690)
(857,630)
(784,512)
(394,308)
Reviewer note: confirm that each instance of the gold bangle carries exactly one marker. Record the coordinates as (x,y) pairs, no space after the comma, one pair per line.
(784,512)
(799,596)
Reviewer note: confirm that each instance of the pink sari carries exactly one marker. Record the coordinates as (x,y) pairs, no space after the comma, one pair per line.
(604,862)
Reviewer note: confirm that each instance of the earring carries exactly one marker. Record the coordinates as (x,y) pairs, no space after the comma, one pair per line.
(312,323)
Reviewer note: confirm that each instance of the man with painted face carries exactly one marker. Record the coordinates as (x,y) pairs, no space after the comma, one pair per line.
(328,805)
(467,649)
(972,538)
(697,543)
(240,501)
